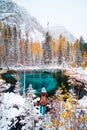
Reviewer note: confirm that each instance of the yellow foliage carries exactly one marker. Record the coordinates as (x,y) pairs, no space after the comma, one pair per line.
(79,119)
(60,97)
(83,66)
(73,64)
(54,47)
(67,128)
(62,44)
(85,116)
(55,122)
(76,45)
(37,49)
(64,114)
(85,57)
(71,109)
(50,125)
(1,49)
(72,101)
(85,54)
(84,128)
(6,31)
(69,113)
(72,129)
(65,105)
(61,123)
(47,124)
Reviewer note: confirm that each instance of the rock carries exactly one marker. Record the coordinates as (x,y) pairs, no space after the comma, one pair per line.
(77,83)
(4,86)
(17,87)
(2,81)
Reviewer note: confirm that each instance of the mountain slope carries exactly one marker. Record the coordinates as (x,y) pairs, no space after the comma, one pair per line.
(55,31)
(11,13)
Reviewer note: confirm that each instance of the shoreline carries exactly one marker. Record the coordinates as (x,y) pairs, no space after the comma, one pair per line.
(74,72)
(31,68)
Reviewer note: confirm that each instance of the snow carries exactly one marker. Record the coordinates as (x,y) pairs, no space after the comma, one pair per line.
(55,32)
(12,99)
(4,86)
(2,81)
(14,105)
(83,102)
(37,99)
(36,36)
(11,107)
(81,73)
(20,17)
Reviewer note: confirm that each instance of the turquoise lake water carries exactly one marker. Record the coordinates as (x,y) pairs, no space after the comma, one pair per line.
(50,79)
(38,80)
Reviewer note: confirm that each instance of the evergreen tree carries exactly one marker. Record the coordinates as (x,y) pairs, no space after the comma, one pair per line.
(27,49)
(30,53)
(68,50)
(6,35)
(78,54)
(60,53)
(29,109)
(15,44)
(47,49)
(83,45)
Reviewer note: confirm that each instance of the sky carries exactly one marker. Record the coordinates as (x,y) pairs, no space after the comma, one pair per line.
(72,14)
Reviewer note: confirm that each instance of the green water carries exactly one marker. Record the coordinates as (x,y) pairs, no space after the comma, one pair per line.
(50,79)
(38,80)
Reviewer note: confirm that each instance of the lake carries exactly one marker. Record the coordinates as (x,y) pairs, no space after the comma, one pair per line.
(50,79)
(38,79)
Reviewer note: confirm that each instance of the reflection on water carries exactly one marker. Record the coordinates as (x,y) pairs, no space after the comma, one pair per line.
(38,80)
(50,79)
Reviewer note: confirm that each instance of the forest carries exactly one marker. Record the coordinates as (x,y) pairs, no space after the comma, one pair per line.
(16,48)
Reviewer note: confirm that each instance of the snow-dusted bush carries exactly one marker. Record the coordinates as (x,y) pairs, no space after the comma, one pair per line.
(11,109)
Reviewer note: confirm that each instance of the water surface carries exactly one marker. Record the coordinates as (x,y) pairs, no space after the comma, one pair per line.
(38,80)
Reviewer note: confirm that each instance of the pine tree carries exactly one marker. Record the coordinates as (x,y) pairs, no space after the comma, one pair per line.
(47,49)
(78,54)
(29,109)
(68,51)
(6,35)
(54,50)
(81,44)
(60,54)
(30,53)
(15,44)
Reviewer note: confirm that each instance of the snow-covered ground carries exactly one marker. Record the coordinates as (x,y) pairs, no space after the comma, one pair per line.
(4,86)
(80,72)
(13,105)
(83,102)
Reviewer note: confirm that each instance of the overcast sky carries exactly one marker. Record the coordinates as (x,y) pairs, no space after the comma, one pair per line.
(72,14)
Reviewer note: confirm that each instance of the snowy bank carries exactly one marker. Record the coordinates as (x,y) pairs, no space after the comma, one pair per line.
(12,106)
(4,86)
